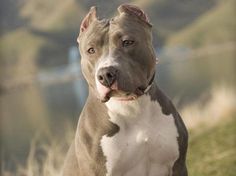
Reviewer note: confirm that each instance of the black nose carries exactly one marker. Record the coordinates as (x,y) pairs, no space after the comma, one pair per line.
(107,76)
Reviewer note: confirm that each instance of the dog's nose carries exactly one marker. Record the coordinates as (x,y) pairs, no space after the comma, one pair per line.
(107,76)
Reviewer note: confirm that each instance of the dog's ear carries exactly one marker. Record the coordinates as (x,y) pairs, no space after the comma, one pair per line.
(88,19)
(134,10)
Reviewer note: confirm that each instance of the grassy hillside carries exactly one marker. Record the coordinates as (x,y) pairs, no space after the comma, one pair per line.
(56,23)
(169,16)
(212,133)
(42,34)
(52,15)
(215,27)
(17,50)
(212,152)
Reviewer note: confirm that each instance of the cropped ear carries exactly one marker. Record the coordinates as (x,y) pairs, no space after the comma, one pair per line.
(134,10)
(89,18)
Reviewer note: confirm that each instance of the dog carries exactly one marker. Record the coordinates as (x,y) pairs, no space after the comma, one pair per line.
(128,126)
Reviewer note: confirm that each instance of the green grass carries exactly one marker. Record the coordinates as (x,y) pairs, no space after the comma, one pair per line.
(213,152)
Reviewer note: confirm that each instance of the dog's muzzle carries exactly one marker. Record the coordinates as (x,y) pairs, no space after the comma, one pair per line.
(107,86)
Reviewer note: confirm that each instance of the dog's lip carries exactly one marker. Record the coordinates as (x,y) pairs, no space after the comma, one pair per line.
(106,97)
(119,93)
(125,96)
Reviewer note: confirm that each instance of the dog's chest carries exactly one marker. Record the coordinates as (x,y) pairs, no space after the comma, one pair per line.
(146,144)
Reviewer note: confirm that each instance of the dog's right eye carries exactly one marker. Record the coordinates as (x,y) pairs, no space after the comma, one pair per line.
(91,50)
(126,43)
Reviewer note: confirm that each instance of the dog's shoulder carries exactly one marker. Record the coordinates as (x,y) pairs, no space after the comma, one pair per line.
(168,108)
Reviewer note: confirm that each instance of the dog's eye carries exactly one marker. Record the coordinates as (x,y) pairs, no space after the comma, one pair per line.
(126,43)
(91,50)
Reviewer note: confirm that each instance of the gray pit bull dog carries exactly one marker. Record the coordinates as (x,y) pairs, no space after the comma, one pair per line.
(128,126)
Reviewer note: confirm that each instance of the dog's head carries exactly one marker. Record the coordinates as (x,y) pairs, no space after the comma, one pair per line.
(118,59)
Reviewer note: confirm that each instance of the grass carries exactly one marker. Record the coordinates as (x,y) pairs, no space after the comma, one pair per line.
(54,15)
(212,152)
(168,16)
(213,108)
(54,22)
(17,50)
(214,27)
(212,126)
(45,157)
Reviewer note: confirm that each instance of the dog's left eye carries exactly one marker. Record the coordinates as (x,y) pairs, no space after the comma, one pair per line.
(91,50)
(126,43)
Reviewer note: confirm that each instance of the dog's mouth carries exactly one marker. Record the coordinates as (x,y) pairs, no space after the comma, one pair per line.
(120,95)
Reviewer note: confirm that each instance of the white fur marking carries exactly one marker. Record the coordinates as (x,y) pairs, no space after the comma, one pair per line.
(146,144)
(104,62)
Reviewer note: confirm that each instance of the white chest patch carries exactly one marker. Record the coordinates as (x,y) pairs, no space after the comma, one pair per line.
(146,144)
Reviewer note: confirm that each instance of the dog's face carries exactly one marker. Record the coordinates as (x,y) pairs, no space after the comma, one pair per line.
(118,59)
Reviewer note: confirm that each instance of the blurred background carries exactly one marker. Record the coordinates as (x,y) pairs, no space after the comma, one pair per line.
(42,90)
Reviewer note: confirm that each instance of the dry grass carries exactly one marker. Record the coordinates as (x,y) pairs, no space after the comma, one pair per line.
(212,126)
(221,105)
(45,157)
